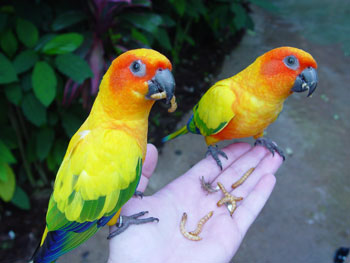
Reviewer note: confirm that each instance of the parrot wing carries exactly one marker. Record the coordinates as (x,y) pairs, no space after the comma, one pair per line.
(215,109)
(98,175)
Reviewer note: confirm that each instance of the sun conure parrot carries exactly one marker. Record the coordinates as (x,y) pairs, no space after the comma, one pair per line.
(102,166)
(245,104)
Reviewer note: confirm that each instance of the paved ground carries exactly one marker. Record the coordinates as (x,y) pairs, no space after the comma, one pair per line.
(307,216)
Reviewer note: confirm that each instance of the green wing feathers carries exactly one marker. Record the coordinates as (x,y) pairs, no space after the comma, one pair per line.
(98,175)
(215,109)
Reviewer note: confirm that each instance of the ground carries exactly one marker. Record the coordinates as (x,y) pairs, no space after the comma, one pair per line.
(307,216)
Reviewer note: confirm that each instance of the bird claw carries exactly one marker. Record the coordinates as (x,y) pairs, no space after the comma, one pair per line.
(271,146)
(138,194)
(125,221)
(215,152)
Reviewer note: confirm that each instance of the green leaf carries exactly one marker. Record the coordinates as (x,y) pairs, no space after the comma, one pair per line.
(25,60)
(70,123)
(27,33)
(44,82)
(168,21)
(147,22)
(137,35)
(163,38)
(3,21)
(7,187)
(67,19)
(21,199)
(180,6)
(240,15)
(44,141)
(7,71)
(26,81)
(59,150)
(62,44)
(33,110)
(74,67)
(43,40)
(8,43)
(5,154)
(3,172)
(13,93)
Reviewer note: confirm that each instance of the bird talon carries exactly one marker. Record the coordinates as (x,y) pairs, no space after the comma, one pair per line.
(271,146)
(125,221)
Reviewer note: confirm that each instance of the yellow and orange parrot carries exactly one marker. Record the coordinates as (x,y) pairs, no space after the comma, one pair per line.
(245,104)
(102,166)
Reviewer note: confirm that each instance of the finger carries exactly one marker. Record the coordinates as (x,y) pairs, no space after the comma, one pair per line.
(148,167)
(235,171)
(268,165)
(250,207)
(208,167)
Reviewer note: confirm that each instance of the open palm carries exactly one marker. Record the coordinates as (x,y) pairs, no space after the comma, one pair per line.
(222,234)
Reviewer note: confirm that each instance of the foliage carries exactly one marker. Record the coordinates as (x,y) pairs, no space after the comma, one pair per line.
(53,55)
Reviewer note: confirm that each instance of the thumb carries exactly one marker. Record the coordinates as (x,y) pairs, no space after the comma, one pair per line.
(148,167)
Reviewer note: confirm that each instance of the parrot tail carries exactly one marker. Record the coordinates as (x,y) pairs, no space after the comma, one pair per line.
(173,135)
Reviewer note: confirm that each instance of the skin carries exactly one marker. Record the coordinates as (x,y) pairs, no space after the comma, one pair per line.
(221,235)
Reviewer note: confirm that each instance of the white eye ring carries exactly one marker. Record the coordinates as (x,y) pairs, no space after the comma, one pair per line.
(137,68)
(291,62)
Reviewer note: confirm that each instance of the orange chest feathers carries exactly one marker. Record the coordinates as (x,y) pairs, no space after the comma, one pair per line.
(252,116)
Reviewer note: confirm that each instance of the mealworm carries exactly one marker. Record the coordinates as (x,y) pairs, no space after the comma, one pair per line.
(243,178)
(201,223)
(173,106)
(194,234)
(159,96)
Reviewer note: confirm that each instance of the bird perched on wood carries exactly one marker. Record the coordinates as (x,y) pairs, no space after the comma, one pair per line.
(247,103)
(102,166)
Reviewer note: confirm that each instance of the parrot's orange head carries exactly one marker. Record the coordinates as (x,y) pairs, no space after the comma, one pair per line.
(287,70)
(141,76)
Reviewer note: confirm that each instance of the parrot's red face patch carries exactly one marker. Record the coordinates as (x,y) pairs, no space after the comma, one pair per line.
(281,66)
(133,69)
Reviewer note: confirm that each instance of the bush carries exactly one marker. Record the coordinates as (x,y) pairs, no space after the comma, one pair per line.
(53,55)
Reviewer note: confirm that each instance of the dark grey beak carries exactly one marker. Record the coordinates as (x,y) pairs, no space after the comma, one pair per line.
(307,80)
(163,81)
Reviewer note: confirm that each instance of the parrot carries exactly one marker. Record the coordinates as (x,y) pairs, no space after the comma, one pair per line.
(245,104)
(102,165)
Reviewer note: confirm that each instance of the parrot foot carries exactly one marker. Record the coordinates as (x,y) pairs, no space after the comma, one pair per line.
(229,200)
(215,152)
(271,146)
(138,194)
(126,221)
(207,186)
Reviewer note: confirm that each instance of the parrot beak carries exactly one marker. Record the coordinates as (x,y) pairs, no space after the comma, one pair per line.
(307,80)
(161,86)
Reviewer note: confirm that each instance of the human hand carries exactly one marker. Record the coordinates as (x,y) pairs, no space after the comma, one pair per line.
(222,234)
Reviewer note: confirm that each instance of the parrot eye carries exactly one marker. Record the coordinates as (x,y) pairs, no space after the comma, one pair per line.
(291,62)
(138,68)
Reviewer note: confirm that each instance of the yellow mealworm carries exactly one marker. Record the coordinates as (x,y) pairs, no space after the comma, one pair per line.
(243,178)
(184,232)
(173,106)
(159,96)
(194,234)
(201,223)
